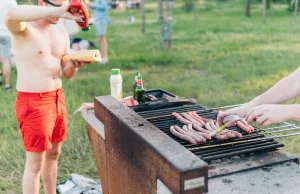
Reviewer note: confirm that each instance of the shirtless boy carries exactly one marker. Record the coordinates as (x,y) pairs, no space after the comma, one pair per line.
(39,45)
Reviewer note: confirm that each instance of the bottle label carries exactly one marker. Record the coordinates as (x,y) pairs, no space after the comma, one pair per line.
(139,83)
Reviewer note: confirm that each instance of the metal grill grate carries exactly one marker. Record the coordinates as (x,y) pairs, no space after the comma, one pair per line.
(214,149)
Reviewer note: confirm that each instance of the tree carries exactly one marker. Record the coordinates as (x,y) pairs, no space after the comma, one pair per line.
(168,8)
(143,2)
(196,9)
(264,11)
(160,11)
(188,5)
(295,14)
(248,6)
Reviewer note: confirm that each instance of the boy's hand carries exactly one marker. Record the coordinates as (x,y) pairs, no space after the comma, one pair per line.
(63,12)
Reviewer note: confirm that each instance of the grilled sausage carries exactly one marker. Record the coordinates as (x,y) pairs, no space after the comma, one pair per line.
(192,114)
(200,129)
(198,134)
(251,127)
(181,119)
(226,132)
(182,136)
(220,136)
(196,137)
(204,135)
(183,131)
(204,119)
(237,134)
(244,127)
(188,117)
(208,127)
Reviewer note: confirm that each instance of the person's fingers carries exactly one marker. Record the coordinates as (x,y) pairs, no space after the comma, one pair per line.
(75,63)
(244,122)
(260,120)
(230,123)
(73,17)
(250,111)
(81,63)
(220,118)
(78,64)
(267,122)
(254,115)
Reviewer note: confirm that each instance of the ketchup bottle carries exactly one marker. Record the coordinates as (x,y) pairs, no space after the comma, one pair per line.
(77,7)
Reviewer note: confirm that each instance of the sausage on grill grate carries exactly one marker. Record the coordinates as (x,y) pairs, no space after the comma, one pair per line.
(183,131)
(200,121)
(181,119)
(204,119)
(219,136)
(244,127)
(182,136)
(196,137)
(204,135)
(188,117)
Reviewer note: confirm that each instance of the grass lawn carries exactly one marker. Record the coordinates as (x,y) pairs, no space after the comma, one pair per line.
(223,58)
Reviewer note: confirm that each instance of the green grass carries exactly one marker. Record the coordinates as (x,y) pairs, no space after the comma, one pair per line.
(222,58)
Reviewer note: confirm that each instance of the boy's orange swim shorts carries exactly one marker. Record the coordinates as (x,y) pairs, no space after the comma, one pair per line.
(42,118)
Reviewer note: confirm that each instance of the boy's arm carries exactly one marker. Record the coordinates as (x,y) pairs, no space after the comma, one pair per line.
(69,69)
(17,16)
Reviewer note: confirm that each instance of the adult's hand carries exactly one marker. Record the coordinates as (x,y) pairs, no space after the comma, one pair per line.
(78,63)
(267,114)
(63,12)
(239,111)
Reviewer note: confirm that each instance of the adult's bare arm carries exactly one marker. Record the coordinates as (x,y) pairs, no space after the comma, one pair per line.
(284,90)
(17,17)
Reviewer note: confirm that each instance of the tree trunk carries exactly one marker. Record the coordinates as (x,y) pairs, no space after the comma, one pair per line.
(29,1)
(264,11)
(248,6)
(196,9)
(272,8)
(205,5)
(143,2)
(168,8)
(295,14)
(160,11)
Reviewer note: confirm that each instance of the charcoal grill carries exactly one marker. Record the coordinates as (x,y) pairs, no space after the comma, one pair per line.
(136,153)
(214,149)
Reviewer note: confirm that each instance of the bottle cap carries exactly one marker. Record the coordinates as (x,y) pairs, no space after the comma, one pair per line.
(115,71)
(137,74)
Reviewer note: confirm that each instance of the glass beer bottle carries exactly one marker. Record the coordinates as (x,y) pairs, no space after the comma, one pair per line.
(137,74)
(140,91)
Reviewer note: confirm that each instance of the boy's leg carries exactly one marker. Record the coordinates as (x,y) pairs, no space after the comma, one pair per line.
(103,44)
(101,28)
(33,167)
(6,71)
(6,54)
(49,171)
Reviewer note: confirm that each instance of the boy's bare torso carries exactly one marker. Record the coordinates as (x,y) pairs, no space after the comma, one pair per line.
(38,53)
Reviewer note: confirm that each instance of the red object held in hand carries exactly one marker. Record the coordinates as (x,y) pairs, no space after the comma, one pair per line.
(78,8)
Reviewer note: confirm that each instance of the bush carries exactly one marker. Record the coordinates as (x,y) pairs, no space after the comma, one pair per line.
(188,5)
